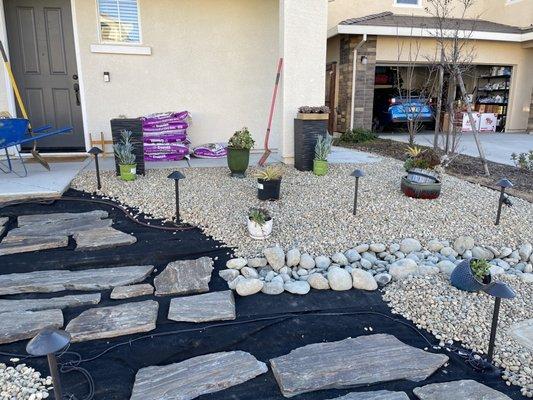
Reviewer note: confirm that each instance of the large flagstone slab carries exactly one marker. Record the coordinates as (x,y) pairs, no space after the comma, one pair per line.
(377,395)
(14,244)
(196,376)
(49,304)
(3,220)
(523,333)
(113,321)
(61,227)
(214,306)
(22,325)
(55,217)
(85,280)
(465,389)
(127,292)
(184,277)
(102,238)
(352,362)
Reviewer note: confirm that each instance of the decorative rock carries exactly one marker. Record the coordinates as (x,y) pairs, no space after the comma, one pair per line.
(257,262)
(410,245)
(383,278)
(339,279)
(527,277)
(297,287)
(465,389)
(317,281)
(363,280)
(403,268)
(196,376)
(446,267)
(365,263)
(247,287)
(339,258)
(495,270)
(448,251)
(15,245)
(293,257)
(233,284)
(365,360)
(273,287)
(377,395)
(102,238)
(362,248)
(128,292)
(505,252)
(463,243)
(435,246)
(428,270)
(59,280)
(306,261)
(49,304)
(378,247)
(184,277)
(108,322)
(3,220)
(214,306)
(482,253)
(275,257)
(523,332)
(248,272)
(20,325)
(322,262)
(236,263)
(228,274)
(525,251)
(352,255)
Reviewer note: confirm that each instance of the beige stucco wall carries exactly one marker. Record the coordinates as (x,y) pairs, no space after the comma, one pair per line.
(214,58)
(518,13)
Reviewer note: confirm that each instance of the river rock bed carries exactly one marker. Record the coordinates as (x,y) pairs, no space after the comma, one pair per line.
(314,213)
(22,382)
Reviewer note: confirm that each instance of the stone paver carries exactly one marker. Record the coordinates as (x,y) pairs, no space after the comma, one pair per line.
(196,376)
(102,238)
(85,280)
(377,395)
(127,292)
(466,389)
(352,362)
(215,306)
(61,227)
(108,322)
(184,277)
(49,304)
(15,245)
(523,333)
(3,220)
(55,217)
(22,325)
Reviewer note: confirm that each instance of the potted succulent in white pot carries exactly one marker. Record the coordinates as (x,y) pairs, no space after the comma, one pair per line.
(126,157)
(259,223)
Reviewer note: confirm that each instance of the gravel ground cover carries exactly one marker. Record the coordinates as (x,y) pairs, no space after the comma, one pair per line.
(454,315)
(22,382)
(315,213)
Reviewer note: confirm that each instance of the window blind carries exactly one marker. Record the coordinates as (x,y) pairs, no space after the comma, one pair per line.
(119,21)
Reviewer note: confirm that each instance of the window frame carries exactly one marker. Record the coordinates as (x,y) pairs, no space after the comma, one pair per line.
(404,5)
(114,43)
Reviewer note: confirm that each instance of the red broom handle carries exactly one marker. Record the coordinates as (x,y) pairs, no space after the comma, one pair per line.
(273,104)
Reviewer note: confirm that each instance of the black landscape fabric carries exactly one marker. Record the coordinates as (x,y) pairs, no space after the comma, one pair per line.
(114,372)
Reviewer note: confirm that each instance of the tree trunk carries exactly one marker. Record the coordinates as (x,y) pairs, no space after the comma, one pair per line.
(452,88)
(439,105)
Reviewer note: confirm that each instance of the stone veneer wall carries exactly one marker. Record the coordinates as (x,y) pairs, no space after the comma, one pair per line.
(364,82)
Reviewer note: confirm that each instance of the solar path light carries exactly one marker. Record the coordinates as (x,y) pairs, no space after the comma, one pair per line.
(176,176)
(47,343)
(504,199)
(358,173)
(95,151)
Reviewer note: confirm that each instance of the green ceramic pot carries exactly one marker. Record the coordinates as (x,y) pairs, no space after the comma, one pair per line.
(320,167)
(128,172)
(238,160)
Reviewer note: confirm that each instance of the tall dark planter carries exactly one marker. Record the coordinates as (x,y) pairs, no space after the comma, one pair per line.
(238,160)
(306,133)
(268,190)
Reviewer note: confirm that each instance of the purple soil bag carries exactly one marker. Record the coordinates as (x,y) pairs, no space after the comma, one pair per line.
(166,148)
(164,157)
(165,127)
(166,117)
(211,150)
(178,136)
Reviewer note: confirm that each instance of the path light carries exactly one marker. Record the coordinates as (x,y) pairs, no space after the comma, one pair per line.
(176,175)
(95,151)
(500,291)
(504,199)
(47,343)
(358,173)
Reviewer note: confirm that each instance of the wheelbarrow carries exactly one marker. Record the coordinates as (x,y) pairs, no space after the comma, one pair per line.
(15,132)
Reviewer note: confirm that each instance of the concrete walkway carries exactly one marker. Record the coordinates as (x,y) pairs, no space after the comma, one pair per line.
(498,146)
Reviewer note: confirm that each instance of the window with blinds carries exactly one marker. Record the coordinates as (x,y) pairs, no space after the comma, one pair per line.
(119,21)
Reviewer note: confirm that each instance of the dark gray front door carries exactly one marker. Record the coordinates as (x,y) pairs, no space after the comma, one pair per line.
(42,55)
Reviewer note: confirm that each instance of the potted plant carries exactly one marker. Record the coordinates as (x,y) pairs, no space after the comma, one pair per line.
(239,152)
(259,223)
(310,123)
(322,151)
(423,179)
(471,275)
(269,183)
(126,157)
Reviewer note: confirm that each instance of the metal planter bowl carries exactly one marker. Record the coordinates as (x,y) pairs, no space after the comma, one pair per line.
(463,278)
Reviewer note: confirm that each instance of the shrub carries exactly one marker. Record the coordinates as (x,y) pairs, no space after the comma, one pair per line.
(124,149)
(523,160)
(427,159)
(323,147)
(480,269)
(241,140)
(270,173)
(357,135)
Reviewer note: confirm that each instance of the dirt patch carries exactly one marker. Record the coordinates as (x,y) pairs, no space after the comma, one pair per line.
(462,166)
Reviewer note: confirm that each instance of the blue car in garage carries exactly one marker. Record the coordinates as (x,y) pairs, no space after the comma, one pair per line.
(394,112)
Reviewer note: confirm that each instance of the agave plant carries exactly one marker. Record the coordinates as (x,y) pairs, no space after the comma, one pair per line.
(413,151)
(270,173)
(323,147)
(259,216)
(124,149)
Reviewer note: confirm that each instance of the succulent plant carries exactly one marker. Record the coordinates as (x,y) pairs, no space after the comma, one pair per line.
(270,173)
(480,269)
(259,216)
(323,147)
(314,110)
(241,140)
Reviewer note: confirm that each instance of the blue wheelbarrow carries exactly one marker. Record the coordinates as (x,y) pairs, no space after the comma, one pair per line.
(15,132)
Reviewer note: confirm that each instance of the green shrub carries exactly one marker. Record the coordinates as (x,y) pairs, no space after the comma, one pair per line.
(124,149)
(480,269)
(241,140)
(427,159)
(323,147)
(357,135)
(523,160)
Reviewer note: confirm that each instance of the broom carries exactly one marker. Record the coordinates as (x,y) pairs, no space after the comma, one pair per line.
(267,152)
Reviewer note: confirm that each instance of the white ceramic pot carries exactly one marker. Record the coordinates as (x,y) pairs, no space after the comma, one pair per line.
(257,231)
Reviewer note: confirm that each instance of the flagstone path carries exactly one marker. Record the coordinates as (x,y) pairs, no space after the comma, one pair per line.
(377,395)
(214,306)
(16,244)
(21,325)
(49,304)
(102,238)
(127,292)
(184,277)
(466,389)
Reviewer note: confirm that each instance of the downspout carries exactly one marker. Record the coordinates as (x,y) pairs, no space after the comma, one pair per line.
(354,68)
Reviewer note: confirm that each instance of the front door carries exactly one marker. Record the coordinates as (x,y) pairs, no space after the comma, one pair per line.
(42,55)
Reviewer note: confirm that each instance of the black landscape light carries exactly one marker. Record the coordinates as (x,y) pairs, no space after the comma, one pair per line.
(47,343)
(504,199)
(176,175)
(358,173)
(95,151)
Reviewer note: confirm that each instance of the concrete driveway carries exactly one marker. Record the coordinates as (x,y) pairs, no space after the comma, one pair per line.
(498,146)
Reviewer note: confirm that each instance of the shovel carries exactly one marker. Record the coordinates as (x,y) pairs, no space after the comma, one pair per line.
(34,151)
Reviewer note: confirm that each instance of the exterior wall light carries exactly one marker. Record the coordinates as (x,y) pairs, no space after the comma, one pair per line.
(364,60)
(95,151)
(358,173)
(176,176)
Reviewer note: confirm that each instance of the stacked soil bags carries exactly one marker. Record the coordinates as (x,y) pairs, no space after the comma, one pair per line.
(165,136)
(211,150)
